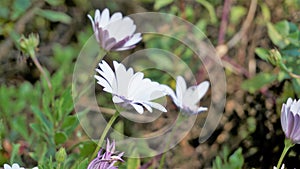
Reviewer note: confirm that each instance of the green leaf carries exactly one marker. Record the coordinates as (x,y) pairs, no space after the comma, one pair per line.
(262,53)
(236,159)
(294,38)
(19,124)
(14,153)
(283,27)
(296,85)
(275,36)
(69,124)
(265,12)
(211,10)
(87,148)
(258,81)
(134,163)
(60,138)
(54,16)
(161,3)
(83,164)
(44,121)
(55,2)
(236,13)
(19,7)
(37,128)
(66,103)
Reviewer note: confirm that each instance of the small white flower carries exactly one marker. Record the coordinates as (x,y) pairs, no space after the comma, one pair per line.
(14,166)
(115,32)
(187,99)
(129,89)
(282,167)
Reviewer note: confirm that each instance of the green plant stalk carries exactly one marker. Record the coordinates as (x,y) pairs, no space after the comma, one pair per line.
(38,65)
(287,145)
(293,75)
(163,158)
(107,127)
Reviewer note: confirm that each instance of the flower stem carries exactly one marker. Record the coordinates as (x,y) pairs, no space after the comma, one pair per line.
(107,127)
(287,145)
(38,65)
(293,75)
(163,158)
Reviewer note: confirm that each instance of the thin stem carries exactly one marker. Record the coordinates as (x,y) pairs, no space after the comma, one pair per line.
(107,127)
(224,21)
(287,145)
(162,160)
(38,65)
(293,75)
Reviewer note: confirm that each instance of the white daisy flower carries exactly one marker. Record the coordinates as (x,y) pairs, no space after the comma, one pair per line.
(129,89)
(187,99)
(115,32)
(15,166)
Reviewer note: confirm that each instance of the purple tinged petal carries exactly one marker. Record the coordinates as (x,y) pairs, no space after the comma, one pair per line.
(116,27)
(290,120)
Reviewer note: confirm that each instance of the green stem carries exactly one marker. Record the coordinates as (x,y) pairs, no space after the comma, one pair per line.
(163,158)
(287,145)
(293,75)
(38,65)
(107,127)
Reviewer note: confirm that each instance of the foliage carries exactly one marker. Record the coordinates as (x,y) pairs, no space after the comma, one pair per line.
(286,36)
(224,161)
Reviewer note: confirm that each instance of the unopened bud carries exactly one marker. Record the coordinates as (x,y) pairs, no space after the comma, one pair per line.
(28,45)
(61,155)
(274,57)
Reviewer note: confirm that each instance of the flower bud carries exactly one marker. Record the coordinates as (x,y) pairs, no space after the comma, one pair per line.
(61,155)
(28,45)
(274,57)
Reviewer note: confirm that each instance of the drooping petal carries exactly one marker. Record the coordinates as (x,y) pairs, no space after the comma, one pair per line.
(138,108)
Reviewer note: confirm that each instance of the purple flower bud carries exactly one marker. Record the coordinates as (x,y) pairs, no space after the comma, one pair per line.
(290,120)
(107,159)
(115,32)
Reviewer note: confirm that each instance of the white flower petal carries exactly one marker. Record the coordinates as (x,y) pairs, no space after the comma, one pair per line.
(157,106)
(136,38)
(116,16)
(97,16)
(121,29)
(180,89)
(171,93)
(115,32)
(202,89)
(138,108)
(104,17)
(101,81)
(117,99)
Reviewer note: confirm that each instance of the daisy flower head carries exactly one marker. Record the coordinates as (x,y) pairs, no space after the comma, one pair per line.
(129,89)
(14,166)
(290,120)
(187,99)
(115,32)
(107,159)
